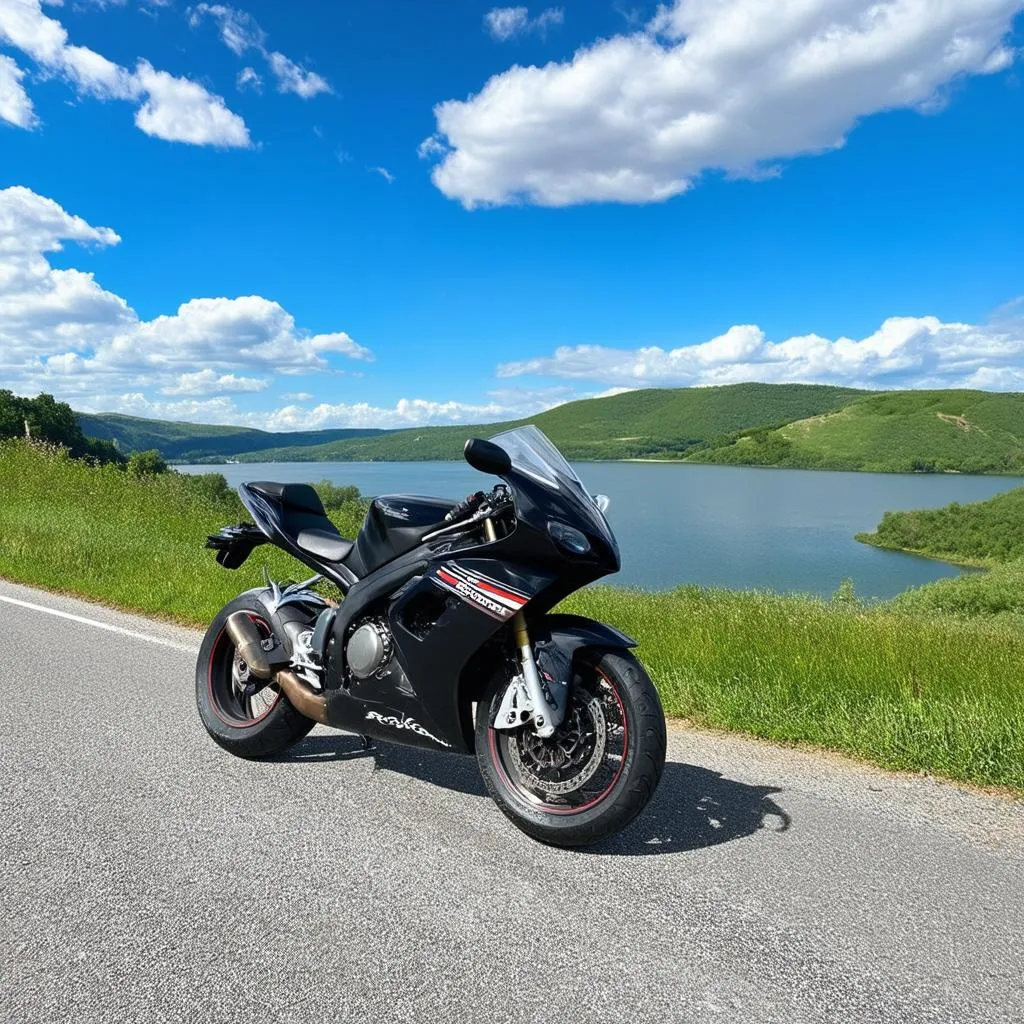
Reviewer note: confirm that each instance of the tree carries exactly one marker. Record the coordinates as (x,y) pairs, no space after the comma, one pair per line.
(147,463)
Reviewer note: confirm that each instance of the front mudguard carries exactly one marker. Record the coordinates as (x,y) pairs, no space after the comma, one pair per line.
(558,640)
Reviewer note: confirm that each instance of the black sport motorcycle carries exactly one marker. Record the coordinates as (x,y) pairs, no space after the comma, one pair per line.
(445,639)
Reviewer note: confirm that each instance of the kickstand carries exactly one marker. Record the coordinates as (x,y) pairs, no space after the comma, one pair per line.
(367,742)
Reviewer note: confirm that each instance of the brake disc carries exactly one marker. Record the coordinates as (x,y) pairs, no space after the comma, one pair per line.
(526,749)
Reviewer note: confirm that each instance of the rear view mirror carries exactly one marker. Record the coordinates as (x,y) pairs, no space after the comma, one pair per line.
(487,457)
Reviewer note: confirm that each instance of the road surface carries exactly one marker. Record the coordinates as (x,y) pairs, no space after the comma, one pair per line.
(149,876)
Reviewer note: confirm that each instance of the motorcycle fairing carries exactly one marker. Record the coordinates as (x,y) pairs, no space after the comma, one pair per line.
(436,633)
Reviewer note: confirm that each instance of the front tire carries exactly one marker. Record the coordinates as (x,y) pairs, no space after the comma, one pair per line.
(247,725)
(598,771)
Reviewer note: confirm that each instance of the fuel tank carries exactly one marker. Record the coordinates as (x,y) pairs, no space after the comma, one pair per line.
(395,524)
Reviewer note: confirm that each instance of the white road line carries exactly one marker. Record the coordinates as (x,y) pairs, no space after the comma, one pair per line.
(149,638)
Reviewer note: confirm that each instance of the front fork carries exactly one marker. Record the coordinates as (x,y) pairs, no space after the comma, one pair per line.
(525,699)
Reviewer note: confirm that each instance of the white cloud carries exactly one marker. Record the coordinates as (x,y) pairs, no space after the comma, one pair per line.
(249,78)
(406,412)
(292,77)
(504,23)
(208,382)
(175,109)
(385,174)
(240,33)
(179,110)
(904,352)
(298,396)
(15,106)
(60,331)
(709,85)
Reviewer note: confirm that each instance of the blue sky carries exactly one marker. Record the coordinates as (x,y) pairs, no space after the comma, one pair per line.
(334,214)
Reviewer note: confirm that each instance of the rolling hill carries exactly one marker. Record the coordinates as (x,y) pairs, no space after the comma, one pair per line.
(789,425)
(651,423)
(196,442)
(893,432)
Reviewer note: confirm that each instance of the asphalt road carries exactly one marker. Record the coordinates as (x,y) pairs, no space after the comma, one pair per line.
(149,876)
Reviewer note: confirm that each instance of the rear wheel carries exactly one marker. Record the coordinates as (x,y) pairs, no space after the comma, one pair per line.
(244,716)
(597,772)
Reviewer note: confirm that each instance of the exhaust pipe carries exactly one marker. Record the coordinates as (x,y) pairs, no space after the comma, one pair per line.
(249,644)
(302,696)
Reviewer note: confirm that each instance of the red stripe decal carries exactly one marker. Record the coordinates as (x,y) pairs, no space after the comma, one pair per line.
(447,576)
(518,598)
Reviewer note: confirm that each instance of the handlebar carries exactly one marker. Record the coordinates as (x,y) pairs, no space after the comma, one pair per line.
(470,504)
(497,498)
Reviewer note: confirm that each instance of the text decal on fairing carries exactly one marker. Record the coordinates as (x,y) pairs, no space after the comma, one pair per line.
(405,723)
(488,595)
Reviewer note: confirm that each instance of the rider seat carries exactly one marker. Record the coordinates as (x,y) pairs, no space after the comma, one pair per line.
(305,520)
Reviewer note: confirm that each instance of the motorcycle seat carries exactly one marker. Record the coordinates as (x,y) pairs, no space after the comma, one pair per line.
(296,497)
(331,547)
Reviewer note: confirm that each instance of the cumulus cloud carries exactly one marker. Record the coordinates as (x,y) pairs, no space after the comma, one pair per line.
(504,23)
(406,412)
(15,106)
(904,352)
(175,109)
(708,85)
(61,331)
(209,382)
(241,33)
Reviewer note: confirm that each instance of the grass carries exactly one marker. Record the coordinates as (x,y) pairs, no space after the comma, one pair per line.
(906,690)
(930,683)
(136,544)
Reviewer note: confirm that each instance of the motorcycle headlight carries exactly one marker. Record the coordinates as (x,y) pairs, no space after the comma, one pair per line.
(568,538)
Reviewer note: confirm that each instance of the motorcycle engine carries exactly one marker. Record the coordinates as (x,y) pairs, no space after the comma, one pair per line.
(369,648)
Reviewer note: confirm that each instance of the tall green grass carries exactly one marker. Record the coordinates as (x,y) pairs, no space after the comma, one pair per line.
(907,686)
(906,690)
(135,543)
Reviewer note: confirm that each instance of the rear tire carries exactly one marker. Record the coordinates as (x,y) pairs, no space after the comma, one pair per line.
(252,727)
(614,733)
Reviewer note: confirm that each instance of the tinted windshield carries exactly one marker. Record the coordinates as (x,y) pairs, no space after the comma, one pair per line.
(535,459)
(533,454)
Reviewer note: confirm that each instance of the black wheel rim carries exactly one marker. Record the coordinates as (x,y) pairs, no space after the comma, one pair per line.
(238,699)
(578,767)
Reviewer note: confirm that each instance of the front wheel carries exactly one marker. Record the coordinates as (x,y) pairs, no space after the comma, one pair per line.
(597,772)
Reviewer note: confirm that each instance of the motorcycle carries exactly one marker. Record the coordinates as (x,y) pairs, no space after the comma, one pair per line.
(445,638)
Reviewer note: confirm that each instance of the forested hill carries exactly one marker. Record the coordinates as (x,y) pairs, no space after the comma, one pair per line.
(651,423)
(196,442)
(792,425)
(894,432)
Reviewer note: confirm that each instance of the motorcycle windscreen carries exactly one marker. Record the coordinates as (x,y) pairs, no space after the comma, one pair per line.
(534,456)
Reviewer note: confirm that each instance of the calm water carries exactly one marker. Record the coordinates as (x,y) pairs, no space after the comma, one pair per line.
(790,530)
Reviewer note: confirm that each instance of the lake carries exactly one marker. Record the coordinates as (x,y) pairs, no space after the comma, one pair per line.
(789,530)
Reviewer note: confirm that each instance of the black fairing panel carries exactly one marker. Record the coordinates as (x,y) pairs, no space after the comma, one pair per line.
(436,633)
(394,525)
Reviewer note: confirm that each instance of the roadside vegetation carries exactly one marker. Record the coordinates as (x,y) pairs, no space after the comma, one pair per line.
(931,682)
(131,539)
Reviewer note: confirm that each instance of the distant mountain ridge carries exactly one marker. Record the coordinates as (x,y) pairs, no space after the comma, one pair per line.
(795,425)
(188,442)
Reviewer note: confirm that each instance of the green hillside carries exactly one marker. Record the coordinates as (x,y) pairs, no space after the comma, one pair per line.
(895,432)
(188,442)
(652,423)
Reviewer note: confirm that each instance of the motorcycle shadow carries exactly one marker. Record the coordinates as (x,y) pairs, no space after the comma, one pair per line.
(692,809)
